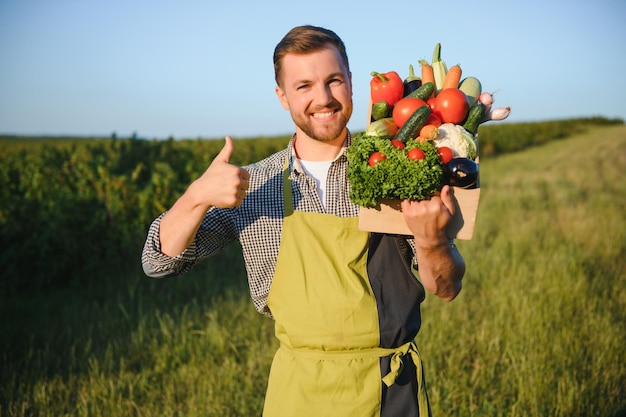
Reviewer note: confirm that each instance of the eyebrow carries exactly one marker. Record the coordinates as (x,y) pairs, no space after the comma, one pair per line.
(338,74)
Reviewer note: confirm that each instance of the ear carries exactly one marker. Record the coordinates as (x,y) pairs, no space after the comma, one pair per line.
(281,96)
(351,90)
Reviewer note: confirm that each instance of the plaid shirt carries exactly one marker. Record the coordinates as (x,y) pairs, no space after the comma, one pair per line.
(257,223)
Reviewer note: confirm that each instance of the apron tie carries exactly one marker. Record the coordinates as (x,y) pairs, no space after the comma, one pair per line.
(396,362)
(396,365)
(396,368)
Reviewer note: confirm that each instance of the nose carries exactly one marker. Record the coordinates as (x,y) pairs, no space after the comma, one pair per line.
(323,95)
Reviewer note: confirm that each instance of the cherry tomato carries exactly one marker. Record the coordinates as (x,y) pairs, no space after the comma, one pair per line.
(415,154)
(404,108)
(451,105)
(445,154)
(375,158)
(398,144)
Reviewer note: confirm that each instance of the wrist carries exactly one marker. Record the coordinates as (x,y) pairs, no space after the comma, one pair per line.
(434,244)
(196,197)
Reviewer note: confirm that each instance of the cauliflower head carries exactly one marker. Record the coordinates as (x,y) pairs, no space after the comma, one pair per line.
(455,137)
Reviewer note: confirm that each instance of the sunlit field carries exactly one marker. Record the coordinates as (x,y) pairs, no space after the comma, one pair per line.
(538,330)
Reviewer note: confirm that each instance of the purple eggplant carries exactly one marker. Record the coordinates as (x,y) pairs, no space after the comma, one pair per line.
(461,172)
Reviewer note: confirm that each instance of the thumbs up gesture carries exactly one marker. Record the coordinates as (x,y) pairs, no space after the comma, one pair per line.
(222,185)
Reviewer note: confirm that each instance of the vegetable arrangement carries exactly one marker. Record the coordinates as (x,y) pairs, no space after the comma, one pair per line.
(422,134)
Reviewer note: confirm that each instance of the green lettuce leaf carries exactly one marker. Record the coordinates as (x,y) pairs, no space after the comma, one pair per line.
(397,177)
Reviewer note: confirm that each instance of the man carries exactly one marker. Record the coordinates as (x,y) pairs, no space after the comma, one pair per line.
(346,303)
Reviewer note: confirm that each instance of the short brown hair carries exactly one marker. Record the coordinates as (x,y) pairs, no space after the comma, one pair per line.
(306,39)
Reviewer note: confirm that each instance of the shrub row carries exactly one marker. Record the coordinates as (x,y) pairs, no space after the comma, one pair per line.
(74,210)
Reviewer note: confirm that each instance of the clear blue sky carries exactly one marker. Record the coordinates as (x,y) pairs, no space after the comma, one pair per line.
(192,69)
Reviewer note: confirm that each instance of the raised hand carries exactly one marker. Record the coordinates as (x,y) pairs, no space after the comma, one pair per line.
(222,185)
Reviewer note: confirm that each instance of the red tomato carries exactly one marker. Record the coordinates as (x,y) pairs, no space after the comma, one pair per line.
(404,108)
(398,144)
(445,154)
(415,154)
(451,105)
(375,158)
(431,103)
(433,119)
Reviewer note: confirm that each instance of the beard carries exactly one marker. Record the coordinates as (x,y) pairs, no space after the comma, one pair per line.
(327,132)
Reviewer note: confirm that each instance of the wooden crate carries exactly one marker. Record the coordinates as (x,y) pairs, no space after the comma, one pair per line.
(387,216)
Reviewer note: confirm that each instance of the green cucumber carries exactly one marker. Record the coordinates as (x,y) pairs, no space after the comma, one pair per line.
(411,128)
(475,116)
(424,91)
(380,110)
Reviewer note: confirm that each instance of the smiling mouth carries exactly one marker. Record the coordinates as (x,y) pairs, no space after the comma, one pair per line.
(324,115)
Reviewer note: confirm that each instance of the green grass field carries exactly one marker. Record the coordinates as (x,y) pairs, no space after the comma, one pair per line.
(538,330)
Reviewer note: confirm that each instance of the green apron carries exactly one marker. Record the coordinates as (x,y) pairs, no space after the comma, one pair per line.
(326,320)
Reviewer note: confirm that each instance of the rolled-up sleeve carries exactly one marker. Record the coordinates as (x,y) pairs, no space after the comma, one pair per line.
(156,264)
(217,230)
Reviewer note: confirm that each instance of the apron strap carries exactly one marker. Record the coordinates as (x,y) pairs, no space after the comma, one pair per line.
(287,194)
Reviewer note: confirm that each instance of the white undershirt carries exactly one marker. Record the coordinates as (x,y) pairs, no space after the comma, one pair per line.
(319,171)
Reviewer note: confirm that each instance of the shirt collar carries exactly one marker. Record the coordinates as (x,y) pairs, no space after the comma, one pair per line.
(295,162)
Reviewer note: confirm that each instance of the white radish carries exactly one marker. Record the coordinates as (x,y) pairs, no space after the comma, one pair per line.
(499,113)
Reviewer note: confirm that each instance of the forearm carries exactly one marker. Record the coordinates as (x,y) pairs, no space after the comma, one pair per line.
(441,266)
(156,264)
(441,269)
(180,224)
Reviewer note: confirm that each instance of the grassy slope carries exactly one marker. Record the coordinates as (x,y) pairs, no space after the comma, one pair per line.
(538,330)
(540,327)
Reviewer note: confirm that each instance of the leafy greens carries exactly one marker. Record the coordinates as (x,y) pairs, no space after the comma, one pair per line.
(397,177)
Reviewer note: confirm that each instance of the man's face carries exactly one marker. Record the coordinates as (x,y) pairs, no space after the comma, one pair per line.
(316,88)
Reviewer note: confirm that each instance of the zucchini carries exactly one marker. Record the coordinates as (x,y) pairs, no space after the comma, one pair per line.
(382,127)
(424,91)
(412,126)
(475,116)
(380,110)
(472,88)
